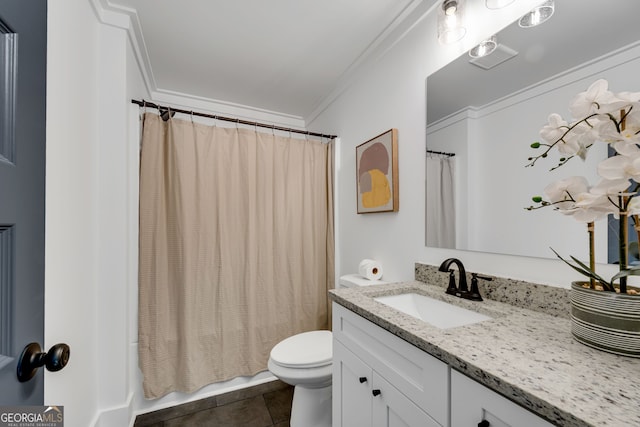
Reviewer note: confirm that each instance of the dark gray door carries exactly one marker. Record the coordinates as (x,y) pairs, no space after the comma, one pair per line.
(23,54)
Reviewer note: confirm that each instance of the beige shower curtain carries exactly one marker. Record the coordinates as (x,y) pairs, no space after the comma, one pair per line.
(440,213)
(236,249)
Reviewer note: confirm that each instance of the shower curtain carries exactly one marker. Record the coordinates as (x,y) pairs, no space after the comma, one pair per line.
(236,249)
(440,208)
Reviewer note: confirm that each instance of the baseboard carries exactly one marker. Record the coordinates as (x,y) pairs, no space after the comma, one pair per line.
(116,417)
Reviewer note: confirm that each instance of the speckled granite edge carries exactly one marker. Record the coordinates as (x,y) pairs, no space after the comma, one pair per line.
(525,355)
(541,298)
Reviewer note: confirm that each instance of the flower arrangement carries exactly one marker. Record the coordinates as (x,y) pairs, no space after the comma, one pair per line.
(600,116)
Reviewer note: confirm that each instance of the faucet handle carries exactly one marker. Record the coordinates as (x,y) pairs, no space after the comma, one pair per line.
(474,292)
(476,276)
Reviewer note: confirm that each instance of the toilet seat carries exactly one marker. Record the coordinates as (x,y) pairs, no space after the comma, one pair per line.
(306,350)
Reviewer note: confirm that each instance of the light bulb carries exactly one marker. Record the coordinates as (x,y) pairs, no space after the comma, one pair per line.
(538,15)
(450,7)
(451,21)
(484,48)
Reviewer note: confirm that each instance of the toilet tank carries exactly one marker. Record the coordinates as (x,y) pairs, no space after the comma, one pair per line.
(353,280)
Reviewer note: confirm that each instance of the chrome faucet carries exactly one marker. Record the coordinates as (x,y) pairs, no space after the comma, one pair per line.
(453,289)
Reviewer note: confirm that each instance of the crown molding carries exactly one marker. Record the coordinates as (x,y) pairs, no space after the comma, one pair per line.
(397,30)
(215,106)
(127,19)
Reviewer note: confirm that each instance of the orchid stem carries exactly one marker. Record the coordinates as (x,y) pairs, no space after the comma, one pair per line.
(624,224)
(623,230)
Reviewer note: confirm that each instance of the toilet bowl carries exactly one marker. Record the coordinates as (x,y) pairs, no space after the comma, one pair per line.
(305,362)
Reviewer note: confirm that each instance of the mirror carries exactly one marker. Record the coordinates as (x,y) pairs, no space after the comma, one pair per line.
(489,118)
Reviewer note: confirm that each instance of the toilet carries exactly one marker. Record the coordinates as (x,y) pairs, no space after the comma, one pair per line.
(305,362)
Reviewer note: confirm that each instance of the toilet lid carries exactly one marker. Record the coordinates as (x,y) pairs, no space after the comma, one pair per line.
(305,350)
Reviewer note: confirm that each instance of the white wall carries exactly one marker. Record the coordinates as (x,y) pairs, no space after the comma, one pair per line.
(71,252)
(389,92)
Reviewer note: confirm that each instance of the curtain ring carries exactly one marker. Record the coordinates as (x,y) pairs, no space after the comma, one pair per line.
(273,130)
(237,122)
(166,115)
(192,122)
(143,111)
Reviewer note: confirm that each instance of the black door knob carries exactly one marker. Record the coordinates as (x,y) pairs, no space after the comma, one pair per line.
(375,392)
(33,357)
(362,380)
(484,423)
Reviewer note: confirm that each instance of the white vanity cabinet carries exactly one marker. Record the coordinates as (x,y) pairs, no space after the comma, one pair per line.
(381,380)
(473,404)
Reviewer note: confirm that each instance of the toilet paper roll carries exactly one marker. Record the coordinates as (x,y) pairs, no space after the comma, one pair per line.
(370,269)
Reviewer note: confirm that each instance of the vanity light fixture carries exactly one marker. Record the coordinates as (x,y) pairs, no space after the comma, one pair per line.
(497,4)
(538,15)
(451,21)
(484,48)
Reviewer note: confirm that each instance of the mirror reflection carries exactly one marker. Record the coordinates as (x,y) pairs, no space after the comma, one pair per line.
(485,115)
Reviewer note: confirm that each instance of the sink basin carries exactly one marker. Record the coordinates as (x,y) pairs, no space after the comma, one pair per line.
(432,311)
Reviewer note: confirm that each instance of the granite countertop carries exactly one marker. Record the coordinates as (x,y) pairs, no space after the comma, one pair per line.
(527,356)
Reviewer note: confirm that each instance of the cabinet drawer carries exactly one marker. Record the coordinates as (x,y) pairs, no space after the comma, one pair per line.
(416,374)
(471,403)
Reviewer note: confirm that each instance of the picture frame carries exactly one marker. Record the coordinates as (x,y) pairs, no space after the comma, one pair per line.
(377,174)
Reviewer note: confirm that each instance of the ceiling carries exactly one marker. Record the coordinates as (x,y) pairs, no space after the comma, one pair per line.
(282,56)
(579,31)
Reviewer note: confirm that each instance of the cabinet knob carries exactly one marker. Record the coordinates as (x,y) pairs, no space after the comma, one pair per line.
(363,380)
(375,392)
(484,423)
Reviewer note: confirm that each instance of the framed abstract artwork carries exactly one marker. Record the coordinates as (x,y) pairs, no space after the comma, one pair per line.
(377,174)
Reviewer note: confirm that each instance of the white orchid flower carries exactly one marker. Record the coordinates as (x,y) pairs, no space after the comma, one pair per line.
(629,96)
(621,167)
(572,197)
(625,141)
(591,207)
(569,139)
(564,193)
(577,141)
(554,129)
(590,101)
(620,101)
(611,189)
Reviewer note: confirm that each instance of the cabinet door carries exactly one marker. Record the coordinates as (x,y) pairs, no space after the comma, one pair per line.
(472,403)
(393,409)
(352,380)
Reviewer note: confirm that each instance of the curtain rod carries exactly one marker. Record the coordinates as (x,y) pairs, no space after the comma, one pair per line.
(441,152)
(165,111)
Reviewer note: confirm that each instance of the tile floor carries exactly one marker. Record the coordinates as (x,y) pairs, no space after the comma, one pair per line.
(264,405)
